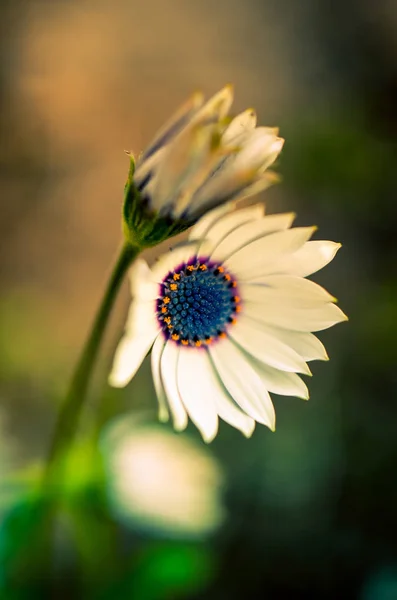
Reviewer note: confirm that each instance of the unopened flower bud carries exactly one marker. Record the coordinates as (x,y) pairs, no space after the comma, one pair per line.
(202,158)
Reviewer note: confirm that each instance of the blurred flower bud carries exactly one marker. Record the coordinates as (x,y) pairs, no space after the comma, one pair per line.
(161,482)
(202,158)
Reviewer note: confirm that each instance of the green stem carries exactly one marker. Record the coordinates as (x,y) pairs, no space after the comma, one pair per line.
(67,422)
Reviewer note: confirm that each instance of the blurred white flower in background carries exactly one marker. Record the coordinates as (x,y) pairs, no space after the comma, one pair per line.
(161,482)
(202,158)
(229,317)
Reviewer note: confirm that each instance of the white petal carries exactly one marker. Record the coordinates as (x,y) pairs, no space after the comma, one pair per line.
(296,318)
(217,107)
(254,258)
(279,382)
(197,387)
(238,128)
(275,150)
(228,410)
(141,319)
(313,256)
(185,203)
(141,330)
(242,382)
(250,232)
(173,258)
(240,170)
(259,151)
(308,259)
(129,356)
(168,369)
(262,345)
(174,125)
(230,222)
(218,189)
(304,343)
(199,230)
(189,157)
(156,354)
(305,294)
(307,345)
(184,157)
(141,281)
(260,183)
(298,287)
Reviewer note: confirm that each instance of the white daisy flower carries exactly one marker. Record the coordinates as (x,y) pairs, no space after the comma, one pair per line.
(200,159)
(229,316)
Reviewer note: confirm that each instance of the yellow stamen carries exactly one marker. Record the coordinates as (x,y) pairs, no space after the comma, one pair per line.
(167,320)
(176,276)
(203,267)
(174,286)
(198,343)
(208,340)
(164,309)
(185,342)
(175,336)
(237,309)
(222,334)
(227,277)
(166,299)
(236,299)
(190,268)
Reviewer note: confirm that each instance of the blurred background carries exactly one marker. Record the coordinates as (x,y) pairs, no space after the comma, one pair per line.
(307,512)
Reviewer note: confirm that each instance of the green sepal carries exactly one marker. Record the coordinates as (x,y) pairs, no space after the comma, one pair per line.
(142,226)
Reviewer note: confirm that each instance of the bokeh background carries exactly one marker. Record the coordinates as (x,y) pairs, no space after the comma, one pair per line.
(308,512)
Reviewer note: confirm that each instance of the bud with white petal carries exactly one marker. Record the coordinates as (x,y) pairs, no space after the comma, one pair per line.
(199,160)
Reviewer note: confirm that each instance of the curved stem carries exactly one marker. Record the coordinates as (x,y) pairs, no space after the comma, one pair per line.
(68,417)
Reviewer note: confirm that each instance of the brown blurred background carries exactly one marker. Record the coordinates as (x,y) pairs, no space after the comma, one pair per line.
(312,508)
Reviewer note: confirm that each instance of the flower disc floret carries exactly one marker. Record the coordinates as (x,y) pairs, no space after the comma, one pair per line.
(198,300)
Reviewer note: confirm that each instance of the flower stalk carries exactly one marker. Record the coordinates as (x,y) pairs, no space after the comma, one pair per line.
(69,414)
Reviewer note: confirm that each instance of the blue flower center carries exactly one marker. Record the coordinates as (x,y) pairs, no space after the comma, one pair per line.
(198,301)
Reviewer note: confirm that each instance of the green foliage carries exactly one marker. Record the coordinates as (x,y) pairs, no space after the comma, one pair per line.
(165,570)
(64,536)
(338,157)
(25,548)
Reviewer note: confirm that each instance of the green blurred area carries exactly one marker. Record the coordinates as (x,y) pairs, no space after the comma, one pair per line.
(307,512)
